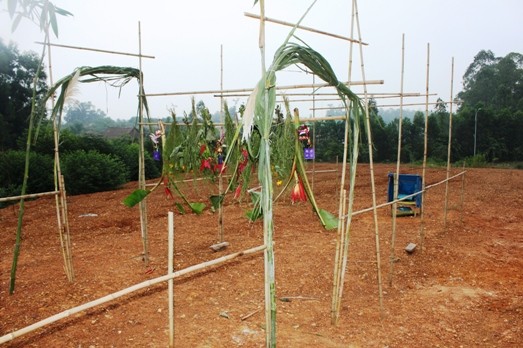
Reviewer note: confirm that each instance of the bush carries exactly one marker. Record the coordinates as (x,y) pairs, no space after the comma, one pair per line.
(88,172)
(40,171)
(128,154)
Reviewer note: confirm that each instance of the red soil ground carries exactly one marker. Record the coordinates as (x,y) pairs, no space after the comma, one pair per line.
(464,288)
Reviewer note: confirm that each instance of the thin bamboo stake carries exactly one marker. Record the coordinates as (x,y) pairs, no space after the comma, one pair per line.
(60,199)
(343,226)
(66,231)
(425,151)
(392,257)
(462,195)
(170,268)
(69,312)
(29,196)
(372,180)
(141,160)
(376,95)
(277,21)
(321,85)
(340,236)
(96,50)
(449,148)
(220,177)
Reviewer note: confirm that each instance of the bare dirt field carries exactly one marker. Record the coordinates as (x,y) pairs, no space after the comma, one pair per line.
(463,289)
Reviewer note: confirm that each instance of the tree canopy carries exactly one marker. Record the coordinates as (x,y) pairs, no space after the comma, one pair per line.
(17,72)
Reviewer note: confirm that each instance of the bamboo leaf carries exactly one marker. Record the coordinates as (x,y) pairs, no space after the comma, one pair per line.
(136,197)
(52,19)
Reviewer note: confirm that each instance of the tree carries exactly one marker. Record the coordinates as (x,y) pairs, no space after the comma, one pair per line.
(495,82)
(84,117)
(17,72)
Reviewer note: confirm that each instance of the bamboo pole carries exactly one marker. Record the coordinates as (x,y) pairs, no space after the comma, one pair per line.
(69,312)
(321,85)
(340,236)
(425,151)
(96,50)
(170,268)
(342,232)
(449,147)
(372,180)
(66,232)
(386,105)
(277,21)
(462,199)
(265,177)
(376,95)
(29,196)
(392,256)
(379,206)
(220,177)
(141,160)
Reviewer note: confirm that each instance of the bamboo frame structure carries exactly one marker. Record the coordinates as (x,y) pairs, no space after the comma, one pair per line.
(29,196)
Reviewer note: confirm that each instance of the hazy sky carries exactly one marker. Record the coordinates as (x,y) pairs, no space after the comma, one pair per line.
(186,37)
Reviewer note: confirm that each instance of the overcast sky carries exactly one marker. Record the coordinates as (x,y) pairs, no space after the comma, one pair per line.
(186,39)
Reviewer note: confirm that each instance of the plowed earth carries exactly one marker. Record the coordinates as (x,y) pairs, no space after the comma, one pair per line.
(462,286)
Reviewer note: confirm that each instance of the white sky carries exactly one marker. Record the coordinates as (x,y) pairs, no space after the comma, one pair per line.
(185,38)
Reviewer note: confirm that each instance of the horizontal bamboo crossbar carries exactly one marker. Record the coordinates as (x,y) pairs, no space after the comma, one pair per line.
(222,93)
(96,50)
(366,210)
(33,195)
(113,296)
(277,21)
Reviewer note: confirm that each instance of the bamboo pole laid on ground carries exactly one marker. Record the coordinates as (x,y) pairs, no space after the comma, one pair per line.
(449,147)
(69,312)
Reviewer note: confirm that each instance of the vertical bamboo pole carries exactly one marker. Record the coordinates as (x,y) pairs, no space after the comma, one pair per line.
(220,177)
(392,256)
(462,194)
(343,236)
(265,177)
(449,147)
(313,131)
(425,149)
(141,160)
(371,162)
(170,268)
(60,198)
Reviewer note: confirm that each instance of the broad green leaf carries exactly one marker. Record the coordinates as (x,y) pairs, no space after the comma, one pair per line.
(197,207)
(331,221)
(136,197)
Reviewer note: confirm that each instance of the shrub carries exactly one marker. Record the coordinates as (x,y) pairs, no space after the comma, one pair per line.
(128,153)
(40,171)
(88,172)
